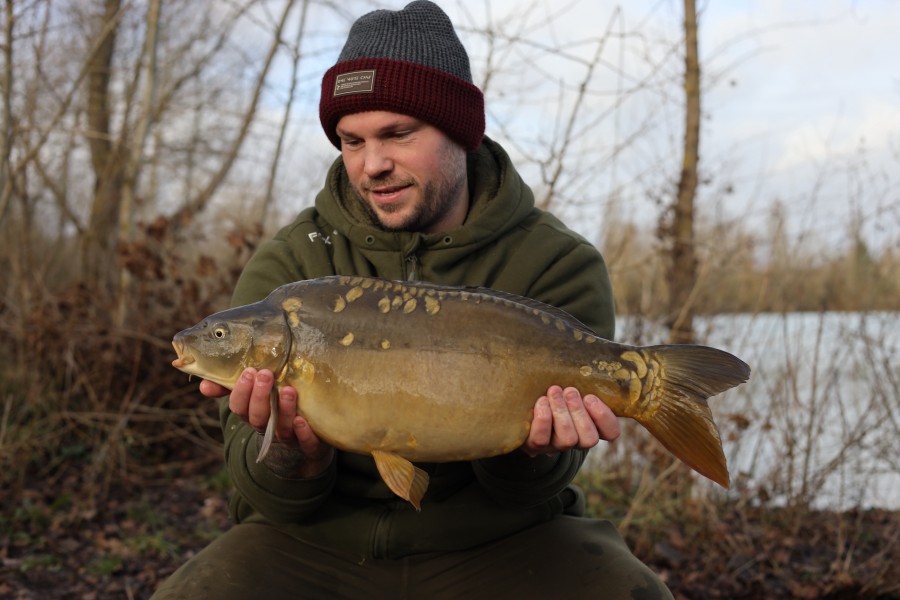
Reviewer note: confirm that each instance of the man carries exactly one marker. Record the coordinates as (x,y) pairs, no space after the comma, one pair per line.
(418,193)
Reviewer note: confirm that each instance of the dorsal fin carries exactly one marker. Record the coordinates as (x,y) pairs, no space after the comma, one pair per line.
(530,303)
(521,302)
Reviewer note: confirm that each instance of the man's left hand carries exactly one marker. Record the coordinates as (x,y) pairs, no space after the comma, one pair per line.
(564,420)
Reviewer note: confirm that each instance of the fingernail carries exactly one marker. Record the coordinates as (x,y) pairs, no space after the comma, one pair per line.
(247,375)
(263,377)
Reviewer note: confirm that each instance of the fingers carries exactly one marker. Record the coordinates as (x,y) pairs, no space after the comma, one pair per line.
(564,420)
(251,400)
(572,425)
(541,428)
(319,455)
(259,403)
(603,417)
(310,443)
(211,389)
(239,400)
(287,411)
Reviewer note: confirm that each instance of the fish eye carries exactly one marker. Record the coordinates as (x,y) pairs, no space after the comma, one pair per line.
(220,331)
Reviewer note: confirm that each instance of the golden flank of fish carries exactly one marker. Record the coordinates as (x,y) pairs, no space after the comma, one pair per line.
(416,372)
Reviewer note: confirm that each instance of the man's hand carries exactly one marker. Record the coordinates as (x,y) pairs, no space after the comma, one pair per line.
(300,453)
(564,420)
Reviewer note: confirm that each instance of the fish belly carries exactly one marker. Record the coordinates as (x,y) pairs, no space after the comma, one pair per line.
(433,407)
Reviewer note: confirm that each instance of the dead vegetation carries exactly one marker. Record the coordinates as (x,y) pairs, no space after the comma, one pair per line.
(111,467)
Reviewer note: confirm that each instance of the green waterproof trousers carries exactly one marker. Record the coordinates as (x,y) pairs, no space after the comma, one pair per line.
(567,557)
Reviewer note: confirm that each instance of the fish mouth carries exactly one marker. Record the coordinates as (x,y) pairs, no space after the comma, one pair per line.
(183,360)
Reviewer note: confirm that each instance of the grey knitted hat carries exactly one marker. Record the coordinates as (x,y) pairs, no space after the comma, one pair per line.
(408,61)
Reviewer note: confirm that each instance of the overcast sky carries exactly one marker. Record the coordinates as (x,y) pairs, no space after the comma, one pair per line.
(820,90)
(801,99)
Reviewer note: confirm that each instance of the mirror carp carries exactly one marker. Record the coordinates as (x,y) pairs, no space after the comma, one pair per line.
(416,372)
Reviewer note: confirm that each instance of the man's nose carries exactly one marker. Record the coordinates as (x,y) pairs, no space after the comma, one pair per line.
(378,161)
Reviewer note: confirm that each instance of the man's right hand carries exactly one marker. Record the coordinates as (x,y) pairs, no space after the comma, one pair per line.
(300,452)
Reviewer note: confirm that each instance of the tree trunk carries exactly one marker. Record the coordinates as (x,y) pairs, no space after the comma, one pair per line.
(133,161)
(98,245)
(682,275)
(6,83)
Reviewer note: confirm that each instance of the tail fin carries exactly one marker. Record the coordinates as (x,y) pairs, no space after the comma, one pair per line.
(683,422)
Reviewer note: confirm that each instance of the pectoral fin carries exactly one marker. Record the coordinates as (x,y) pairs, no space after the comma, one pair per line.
(269,435)
(404,478)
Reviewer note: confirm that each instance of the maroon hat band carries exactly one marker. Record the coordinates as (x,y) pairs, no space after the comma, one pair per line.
(451,104)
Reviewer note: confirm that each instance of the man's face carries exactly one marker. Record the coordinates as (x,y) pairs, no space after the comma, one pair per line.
(408,174)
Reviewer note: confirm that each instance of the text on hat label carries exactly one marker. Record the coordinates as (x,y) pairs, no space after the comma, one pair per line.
(357,82)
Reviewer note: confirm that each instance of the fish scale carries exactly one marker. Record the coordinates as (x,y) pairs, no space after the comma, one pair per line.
(419,372)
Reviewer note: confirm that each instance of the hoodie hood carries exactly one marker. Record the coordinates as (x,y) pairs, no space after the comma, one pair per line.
(499,201)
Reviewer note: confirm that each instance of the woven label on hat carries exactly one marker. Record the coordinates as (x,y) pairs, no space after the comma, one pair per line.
(357,82)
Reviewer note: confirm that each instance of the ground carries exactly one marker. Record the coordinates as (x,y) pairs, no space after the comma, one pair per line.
(53,546)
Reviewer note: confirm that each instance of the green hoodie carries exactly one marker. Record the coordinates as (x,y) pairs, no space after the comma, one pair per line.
(507,244)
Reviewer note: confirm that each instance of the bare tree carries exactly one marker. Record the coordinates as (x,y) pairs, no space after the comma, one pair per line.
(6,99)
(98,244)
(202,198)
(296,55)
(677,231)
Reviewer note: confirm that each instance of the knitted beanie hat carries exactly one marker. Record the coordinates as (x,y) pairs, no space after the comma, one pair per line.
(410,62)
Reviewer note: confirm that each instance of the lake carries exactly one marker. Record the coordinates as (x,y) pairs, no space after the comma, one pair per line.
(819,419)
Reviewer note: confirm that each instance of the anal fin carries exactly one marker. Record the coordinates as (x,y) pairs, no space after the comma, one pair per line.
(402,477)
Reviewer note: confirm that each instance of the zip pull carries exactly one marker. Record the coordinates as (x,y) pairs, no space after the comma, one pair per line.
(412,262)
